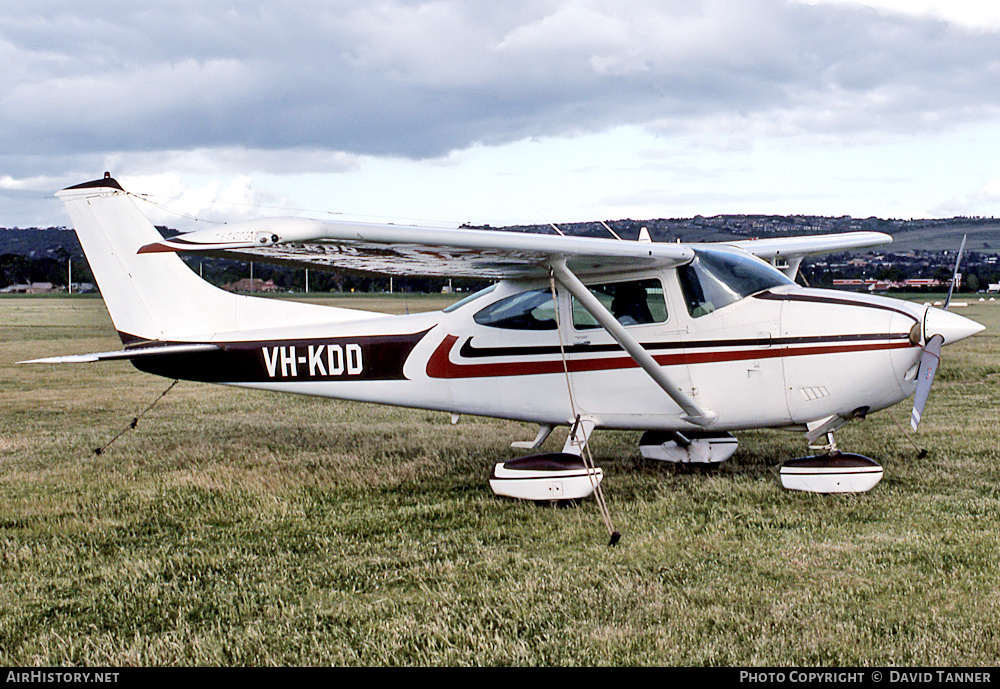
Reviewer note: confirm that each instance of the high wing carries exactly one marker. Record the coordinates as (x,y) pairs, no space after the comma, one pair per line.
(792,250)
(795,247)
(411,250)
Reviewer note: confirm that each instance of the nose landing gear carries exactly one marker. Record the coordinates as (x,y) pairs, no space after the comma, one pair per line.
(831,472)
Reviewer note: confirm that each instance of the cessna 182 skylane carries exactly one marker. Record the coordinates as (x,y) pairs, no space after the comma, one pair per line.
(685,341)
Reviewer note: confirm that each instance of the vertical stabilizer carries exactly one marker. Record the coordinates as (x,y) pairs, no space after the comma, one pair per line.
(156,296)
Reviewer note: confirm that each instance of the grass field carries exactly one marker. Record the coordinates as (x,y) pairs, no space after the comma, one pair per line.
(243,528)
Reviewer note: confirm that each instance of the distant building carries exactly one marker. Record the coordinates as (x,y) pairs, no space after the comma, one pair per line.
(33,288)
(874,285)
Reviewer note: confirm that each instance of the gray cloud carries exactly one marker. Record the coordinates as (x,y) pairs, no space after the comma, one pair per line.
(418,79)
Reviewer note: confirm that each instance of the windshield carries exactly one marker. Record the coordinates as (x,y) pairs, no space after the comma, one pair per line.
(718,278)
(471,297)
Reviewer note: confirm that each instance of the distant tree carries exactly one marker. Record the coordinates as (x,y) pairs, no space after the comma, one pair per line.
(943,274)
(891,273)
(14,269)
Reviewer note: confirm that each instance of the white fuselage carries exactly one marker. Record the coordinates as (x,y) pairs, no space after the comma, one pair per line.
(631,335)
(781,358)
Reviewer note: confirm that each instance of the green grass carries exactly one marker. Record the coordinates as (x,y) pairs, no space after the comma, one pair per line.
(236,527)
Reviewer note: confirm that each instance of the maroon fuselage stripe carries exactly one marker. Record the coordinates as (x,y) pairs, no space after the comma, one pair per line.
(439,365)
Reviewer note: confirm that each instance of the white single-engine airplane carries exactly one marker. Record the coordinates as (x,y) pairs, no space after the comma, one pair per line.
(685,341)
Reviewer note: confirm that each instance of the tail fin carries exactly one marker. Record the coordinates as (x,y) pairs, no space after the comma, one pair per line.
(156,296)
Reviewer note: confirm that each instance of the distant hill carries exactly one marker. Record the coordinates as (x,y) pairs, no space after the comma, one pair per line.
(947,236)
(39,242)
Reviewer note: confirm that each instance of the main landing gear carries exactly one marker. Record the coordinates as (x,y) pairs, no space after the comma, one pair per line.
(552,476)
(703,448)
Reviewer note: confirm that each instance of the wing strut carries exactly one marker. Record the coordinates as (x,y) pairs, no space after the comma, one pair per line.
(695,414)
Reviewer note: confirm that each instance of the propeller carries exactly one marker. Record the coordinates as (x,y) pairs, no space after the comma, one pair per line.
(928,367)
(939,327)
(954,275)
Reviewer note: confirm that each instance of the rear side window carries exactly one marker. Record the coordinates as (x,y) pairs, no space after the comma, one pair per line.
(532,310)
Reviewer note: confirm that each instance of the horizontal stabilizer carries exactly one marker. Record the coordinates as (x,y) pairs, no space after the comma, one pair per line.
(128,354)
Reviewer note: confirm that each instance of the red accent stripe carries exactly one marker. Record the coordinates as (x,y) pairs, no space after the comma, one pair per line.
(440,365)
(156,248)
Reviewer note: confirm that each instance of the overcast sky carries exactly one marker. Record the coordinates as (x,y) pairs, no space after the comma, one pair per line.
(524,111)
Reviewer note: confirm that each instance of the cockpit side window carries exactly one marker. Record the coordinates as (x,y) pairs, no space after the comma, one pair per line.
(532,310)
(637,302)
(714,279)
